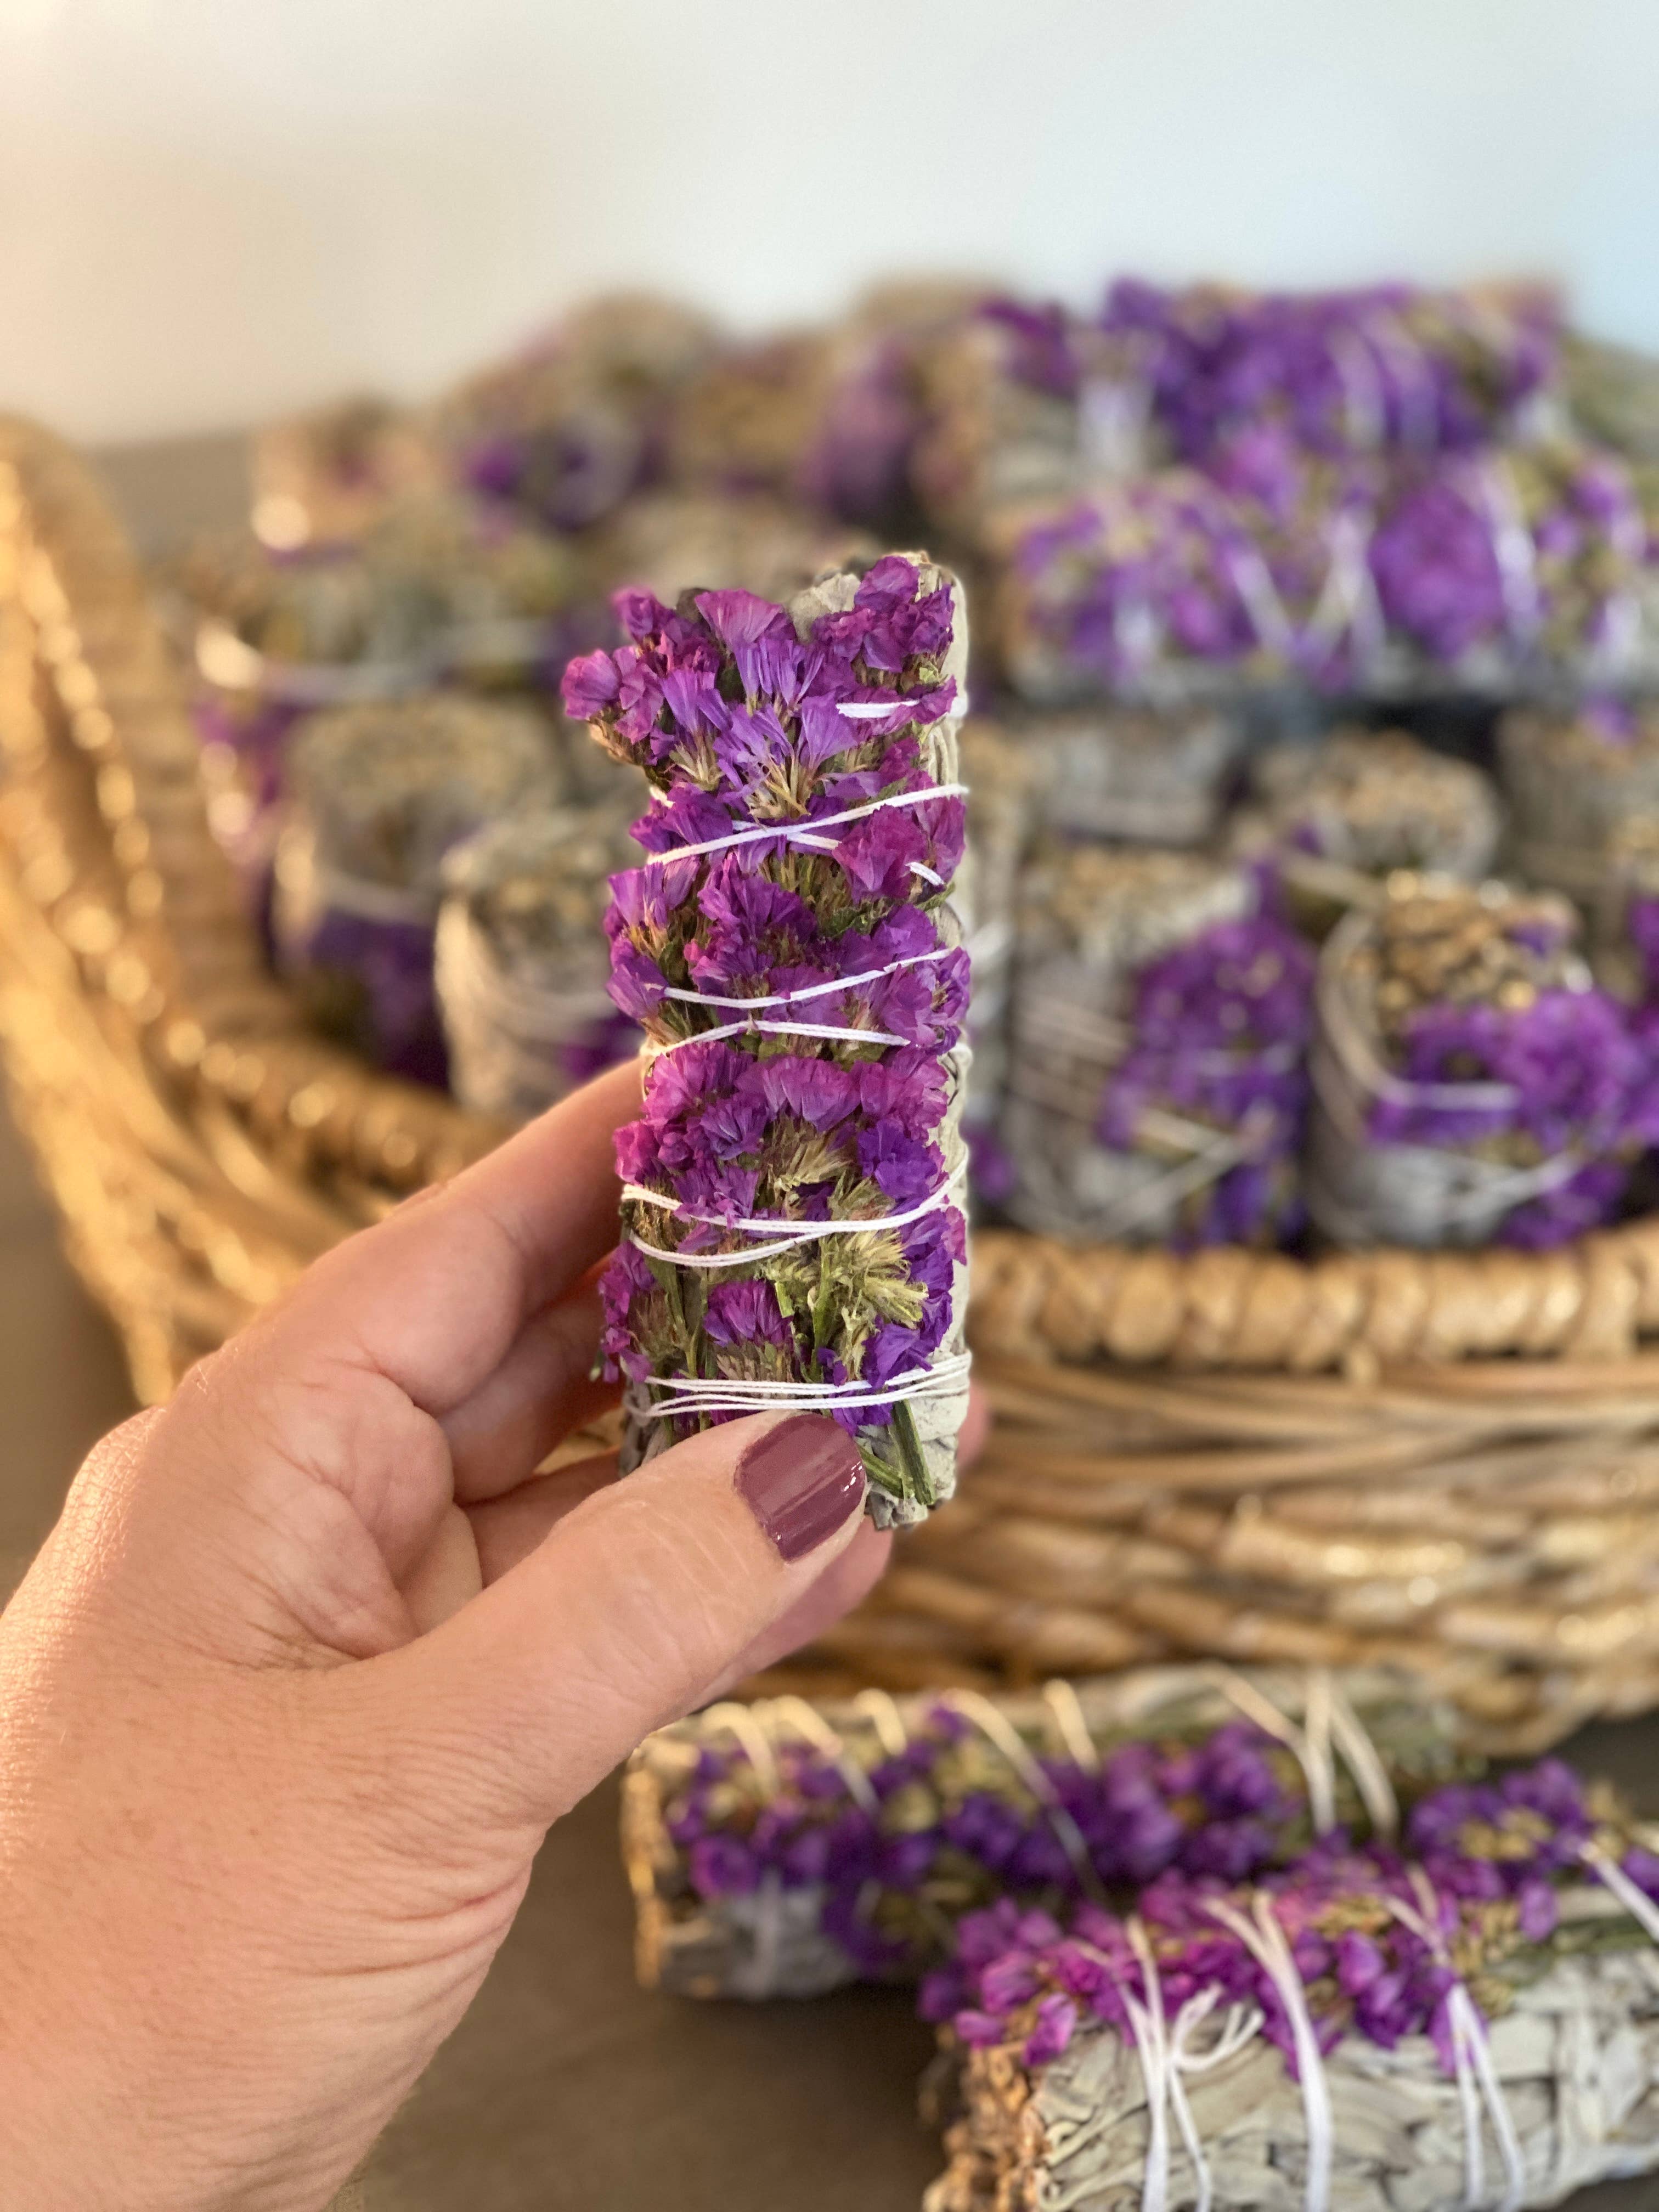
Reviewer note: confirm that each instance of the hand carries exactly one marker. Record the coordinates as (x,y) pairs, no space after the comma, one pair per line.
(313,1658)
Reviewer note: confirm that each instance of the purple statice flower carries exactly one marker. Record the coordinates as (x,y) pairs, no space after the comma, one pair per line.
(746,1313)
(720,1866)
(1352,1916)
(1434,561)
(1051,2030)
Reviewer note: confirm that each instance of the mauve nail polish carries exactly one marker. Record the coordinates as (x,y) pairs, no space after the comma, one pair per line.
(801,1481)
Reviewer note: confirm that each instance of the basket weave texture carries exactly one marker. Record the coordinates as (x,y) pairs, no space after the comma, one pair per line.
(1447,1460)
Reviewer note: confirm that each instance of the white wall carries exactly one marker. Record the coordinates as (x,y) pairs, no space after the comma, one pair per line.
(212,209)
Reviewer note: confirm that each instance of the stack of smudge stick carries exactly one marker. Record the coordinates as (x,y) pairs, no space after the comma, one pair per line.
(1190,1939)
(1312,892)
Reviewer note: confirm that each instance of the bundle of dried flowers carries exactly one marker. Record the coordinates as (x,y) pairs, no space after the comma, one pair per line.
(792,1215)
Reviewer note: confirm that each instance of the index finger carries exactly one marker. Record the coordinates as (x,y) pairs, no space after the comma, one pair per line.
(434,1297)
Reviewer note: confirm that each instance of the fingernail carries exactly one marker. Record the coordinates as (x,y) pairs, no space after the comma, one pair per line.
(801,1481)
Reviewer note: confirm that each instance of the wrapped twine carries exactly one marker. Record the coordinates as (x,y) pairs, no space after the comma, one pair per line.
(1155,1091)
(793,1233)
(380,794)
(1473,2022)
(1470,1084)
(785,1848)
(522,961)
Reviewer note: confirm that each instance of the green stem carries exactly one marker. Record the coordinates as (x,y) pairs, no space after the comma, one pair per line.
(917,1480)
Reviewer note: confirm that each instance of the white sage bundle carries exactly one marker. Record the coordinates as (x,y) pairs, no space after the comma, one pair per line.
(1331,818)
(1471,1084)
(1470,2020)
(793,1232)
(1576,2063)
(522,960)
(1573,780)
(1136,774)
(1158,1051)
(785,1849)
(379,794)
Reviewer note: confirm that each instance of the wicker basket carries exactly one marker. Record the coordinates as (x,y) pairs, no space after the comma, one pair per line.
(1450,1460)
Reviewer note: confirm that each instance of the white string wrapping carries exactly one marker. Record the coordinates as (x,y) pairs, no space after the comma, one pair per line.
(1265,1940)
(803,831)
(1330,1725)
(1001,1732)
(785,1234)
(833,1032)
(697,1393)
(814,990)
(881,1709)
(1166,2057)
(1607,1871)
(1067,1707)
(1475,2074)
(741,1721)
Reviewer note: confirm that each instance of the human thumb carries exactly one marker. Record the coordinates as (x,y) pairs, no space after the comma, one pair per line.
(632,1608)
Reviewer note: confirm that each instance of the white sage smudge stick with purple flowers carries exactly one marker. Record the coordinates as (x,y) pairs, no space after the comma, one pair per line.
(1371,801)
(793,1231)
(1156,1088)
(1573,780)
(1133,774)
(379,794)
(1468,2021)
(1471,1084)
(784,1849)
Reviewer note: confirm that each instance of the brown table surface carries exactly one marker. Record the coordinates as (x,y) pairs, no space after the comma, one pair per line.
(566,2086)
